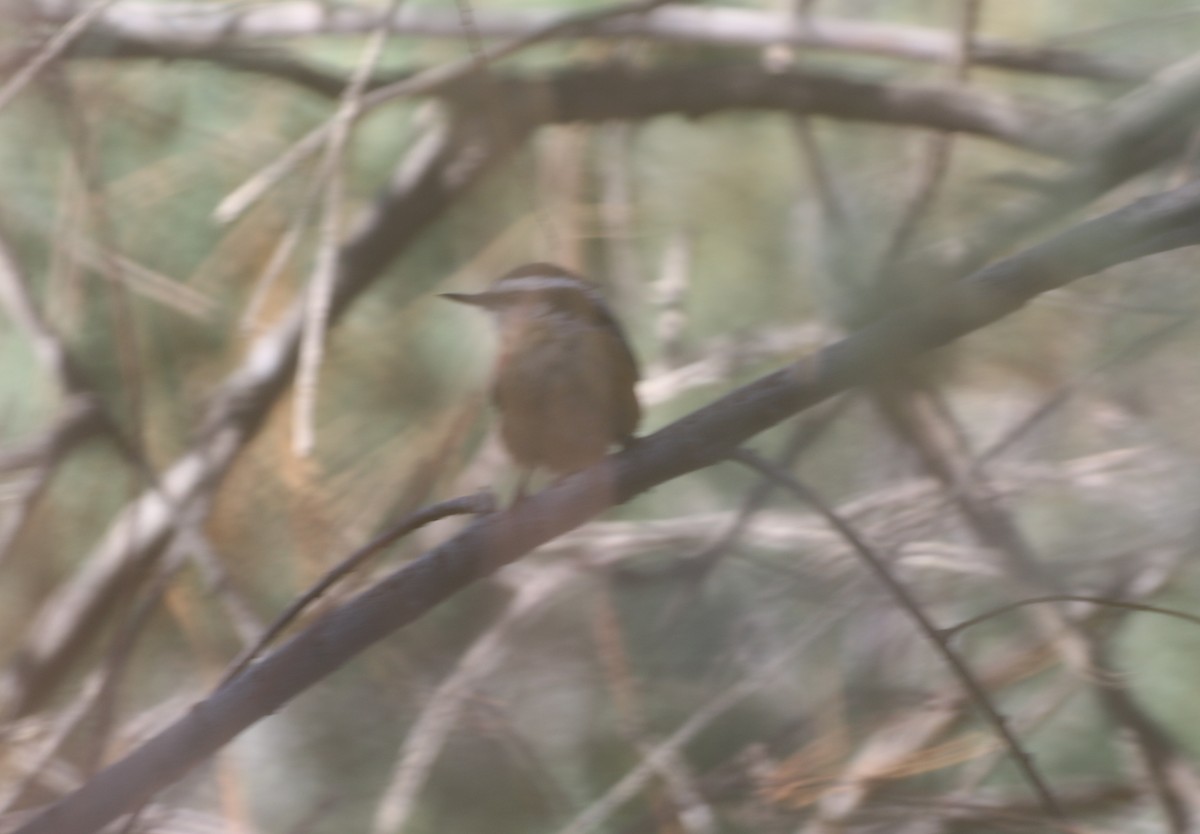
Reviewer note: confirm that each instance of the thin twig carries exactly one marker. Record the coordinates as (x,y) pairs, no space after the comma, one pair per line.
(879,568)
(83,415)
(430,730)
(942,447)
(935,160)
(691,813)
(698,566)
(1135,349)
(951,631)
(52,49)
(319,295)
(477,504)
(423,83)
(669,294)
(650,764)
(281,253)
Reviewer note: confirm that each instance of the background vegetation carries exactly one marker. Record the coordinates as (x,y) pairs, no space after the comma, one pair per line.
(223,367)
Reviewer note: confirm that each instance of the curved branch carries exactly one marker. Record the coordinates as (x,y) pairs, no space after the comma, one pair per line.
(700,439)
(619,93)
(436,174)
(605,93)
(951,631)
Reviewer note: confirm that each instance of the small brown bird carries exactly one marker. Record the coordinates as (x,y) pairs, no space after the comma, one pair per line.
(564,377)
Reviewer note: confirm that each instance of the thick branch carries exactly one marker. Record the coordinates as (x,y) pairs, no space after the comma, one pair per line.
(620,93)
(605,93)
(701,439)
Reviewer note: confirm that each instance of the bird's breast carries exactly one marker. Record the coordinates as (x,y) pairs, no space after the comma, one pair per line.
(558,391)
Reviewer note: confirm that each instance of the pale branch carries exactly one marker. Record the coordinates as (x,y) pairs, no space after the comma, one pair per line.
(16,299)
(65,623)
(913,731)
(1144,128)
(73,28)
(938,150)
(703,438)
(134,25)
(531,591)
(329,230)
(651,762)
(430,81)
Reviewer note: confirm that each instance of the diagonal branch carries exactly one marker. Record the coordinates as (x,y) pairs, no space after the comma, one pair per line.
(72,29)
(700,439)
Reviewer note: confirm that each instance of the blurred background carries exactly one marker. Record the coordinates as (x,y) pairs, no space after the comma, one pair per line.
(223,365)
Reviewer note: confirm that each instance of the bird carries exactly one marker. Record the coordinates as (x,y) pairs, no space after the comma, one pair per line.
(563,381)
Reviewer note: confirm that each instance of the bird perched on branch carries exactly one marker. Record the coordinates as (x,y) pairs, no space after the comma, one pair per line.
(564,376)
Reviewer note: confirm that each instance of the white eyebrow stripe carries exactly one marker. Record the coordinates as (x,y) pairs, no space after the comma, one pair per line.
(536,282)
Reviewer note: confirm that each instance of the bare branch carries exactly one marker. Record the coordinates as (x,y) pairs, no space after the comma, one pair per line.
(423,187)
(324,271)
(654,760)
(423,83)
(900,594)
(471,504)
(196,24)
(700,439)
(53,48)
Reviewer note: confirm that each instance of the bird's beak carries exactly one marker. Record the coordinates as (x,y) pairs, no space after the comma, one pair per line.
(475,299)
